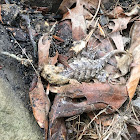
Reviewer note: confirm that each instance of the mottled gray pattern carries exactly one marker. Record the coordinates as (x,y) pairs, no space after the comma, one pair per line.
(86,69)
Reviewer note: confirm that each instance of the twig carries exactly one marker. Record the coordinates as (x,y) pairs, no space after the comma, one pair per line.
(25,55)
(27,19)
(24,61)
(95,13)
(85,128)
(91,32)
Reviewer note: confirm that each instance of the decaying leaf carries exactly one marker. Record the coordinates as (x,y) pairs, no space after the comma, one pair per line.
(0,14)
(78,46)
(134,11)
(135,50)
(105,120)
(77,98)
(68,3)
(137,127)
(43,50)
(57,129)
(116,12)
(39,103)
(135,73)
(120,24)
(78,21)
(118,40)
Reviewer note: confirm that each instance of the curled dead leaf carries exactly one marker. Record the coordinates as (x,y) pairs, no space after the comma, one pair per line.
(135,50)
(39,102)
(118,40)
(43,50)
(120,24)
(0,14)
(135,73)
(77,98)
(116,12)
(134,11)
(78,21)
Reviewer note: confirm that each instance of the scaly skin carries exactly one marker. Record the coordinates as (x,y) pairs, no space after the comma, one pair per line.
(86,69)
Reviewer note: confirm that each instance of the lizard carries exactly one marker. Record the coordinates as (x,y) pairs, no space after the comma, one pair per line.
(83,69)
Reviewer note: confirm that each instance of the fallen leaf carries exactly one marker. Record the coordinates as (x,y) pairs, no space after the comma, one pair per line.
(53,60)
(116,12)
(33,83)
(120,24)
(135,73)
(137,127)
(105,120)
(39,102)
(118,40)
(0,15)
(134,34)
(57,129)
(77,98)
(78,21)
(135,50)
(68,3)
(63,60)
(134,11)
(43,50)
(47,112)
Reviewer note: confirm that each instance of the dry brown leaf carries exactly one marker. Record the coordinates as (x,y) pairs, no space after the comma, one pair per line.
(116,12)
(135,73)
(40,103)
(135,50)
(0,15)
(68,3)
(53,60)
(135,33)
(137,127)
(94,96)
(105,120)
(120,24)
(118,40)
(78,21)
(57,128)
(134,11)
(43,50)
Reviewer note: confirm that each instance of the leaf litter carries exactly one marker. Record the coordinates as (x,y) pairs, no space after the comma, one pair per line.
(71,94)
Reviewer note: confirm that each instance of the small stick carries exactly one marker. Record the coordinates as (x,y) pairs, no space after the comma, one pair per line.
(25,55)
(85,128)
(95,13)
(23,61)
